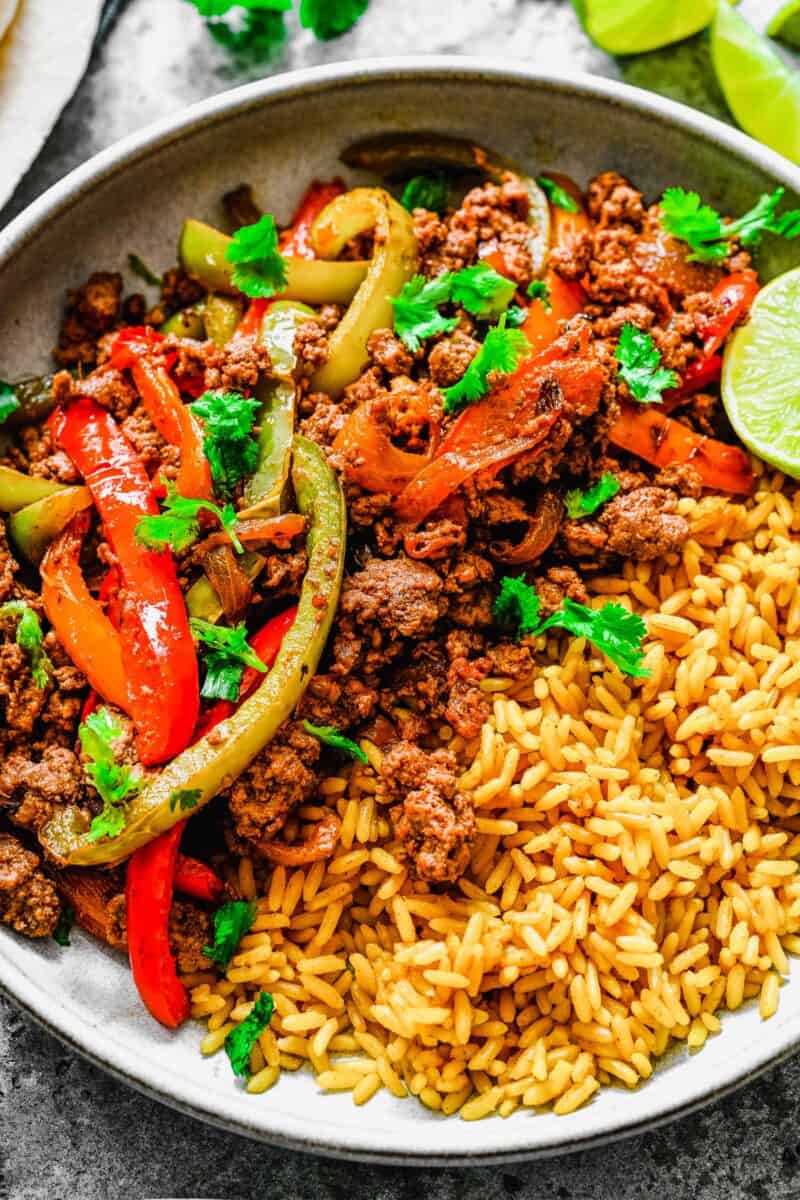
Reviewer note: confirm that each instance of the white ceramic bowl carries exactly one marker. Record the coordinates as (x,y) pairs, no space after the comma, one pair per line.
(278,134)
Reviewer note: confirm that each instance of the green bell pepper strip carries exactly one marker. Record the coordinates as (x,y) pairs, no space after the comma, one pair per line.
(202,600)
(394,261)
(35,398)
(35,526)
(223,314)
(187,322)
(202,251)
(214,762)
(18,490)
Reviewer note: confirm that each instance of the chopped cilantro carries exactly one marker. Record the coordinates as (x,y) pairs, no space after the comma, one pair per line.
(184,799)
(517,604)
(639,366)
(139,267)
(256,38)
(701,227)
(416,314)
(226,654)
(30,638)
(502,351)
(332,737)
(582,503)
(331,18)
(231,923)
(115,782)
(8,401)
(482,291)
(556,195)
(259,269)
(228,421)
(241,1040)
(515,316)
(426,191)
(179,524)
(64,927)
(538,290)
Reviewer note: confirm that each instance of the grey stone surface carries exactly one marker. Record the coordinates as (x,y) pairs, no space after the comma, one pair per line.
(69,1132)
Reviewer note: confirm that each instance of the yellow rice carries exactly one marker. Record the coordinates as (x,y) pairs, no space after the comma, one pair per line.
(634,871)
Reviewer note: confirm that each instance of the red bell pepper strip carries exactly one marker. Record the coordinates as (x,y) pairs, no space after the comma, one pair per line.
(735,295)
(157,648)
(662,442)
(699,375)
(295,242)
(134,349)
(148,899)
(196,878)
(80,623)
(566,298)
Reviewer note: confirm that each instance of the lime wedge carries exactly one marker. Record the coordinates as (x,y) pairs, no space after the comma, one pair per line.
(785,25)
(761,375)
(762,92)
(635,26)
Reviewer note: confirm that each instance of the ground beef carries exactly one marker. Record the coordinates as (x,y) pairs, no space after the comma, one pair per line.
(41,458)
(434,822)
(469,587)
(179,290)
(682,478)
(91,311)
(191,928)
(401,597)
(555,585)
(311,347)
(110,389)
(435,539)
(156,454)
(23,700)
(275,783)
(343,701)
(510,659)
(283,572)
(388,352)
(325,422)
(611,200)
(29,903)
(31,789)
(8,567)
(467,706)
(237,366)
(641,524)
(449,358)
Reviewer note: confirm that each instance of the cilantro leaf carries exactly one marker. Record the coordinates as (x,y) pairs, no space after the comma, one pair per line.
(684,216)
(517,604)
(64,926)
(332,737)
(538,290)
(256,38)
(331,18)
(639,360)
(416,314)
(482,291)
(115,782)
(241,1040)
(502,351)
(228,421)
(556,195)
(8,401)
(231,923)
(614,630)
(226,654)
(179,524)
(582,503)
(184,799)
(515,317)
(426,191)
(139,267)
(259,269)
(30,638)
(218,8)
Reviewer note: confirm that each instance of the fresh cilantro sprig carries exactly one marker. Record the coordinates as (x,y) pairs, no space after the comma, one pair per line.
(556,194)
(612,629)
(226,654)
(228,421)
(416,310)
(538,290)
(331,18)
(259,269)
(184,799)
(639,366)
(502,351)
(64,926)
(231,923)
(482,291)
(241,1040)
(684,215)
(582,503)
(252,29)
(178,526)
(115,782)
(30,638)
(426,191)
(330,736)
(8,401)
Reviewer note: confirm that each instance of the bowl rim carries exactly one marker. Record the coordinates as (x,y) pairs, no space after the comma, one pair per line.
(89,1038)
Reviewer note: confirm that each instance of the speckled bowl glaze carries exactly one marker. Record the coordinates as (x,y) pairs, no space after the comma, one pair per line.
(277,134)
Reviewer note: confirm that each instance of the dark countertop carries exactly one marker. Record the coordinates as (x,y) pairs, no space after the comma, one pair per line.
(68,1131)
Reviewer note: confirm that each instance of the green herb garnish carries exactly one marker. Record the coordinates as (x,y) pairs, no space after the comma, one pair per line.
(556,194)
(515,317)
(582,503)
(502,351)
(241,1040)
(426,191)
(482,291)
(257,37)
(517,604)
(416,310)
(226,654)
(699,225)
(331,18)
(115,782)
(538,290)
(30,638)
(139,267)
(231,923)
(639,365)
(228,421)
(184,799)
(259,269)
(178,526)
(8,401)
(330,736)
(64,926)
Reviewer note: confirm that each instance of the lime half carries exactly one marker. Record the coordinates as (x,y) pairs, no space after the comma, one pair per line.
(763,94)
(761,375)
(635,26)
(785,25)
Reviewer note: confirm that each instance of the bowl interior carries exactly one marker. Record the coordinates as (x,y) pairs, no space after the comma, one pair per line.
(278,135)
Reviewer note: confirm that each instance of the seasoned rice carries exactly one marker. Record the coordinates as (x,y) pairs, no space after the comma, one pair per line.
(633,874)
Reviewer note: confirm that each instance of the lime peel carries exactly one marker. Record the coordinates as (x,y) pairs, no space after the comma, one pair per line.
(785,25)
(636,26)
